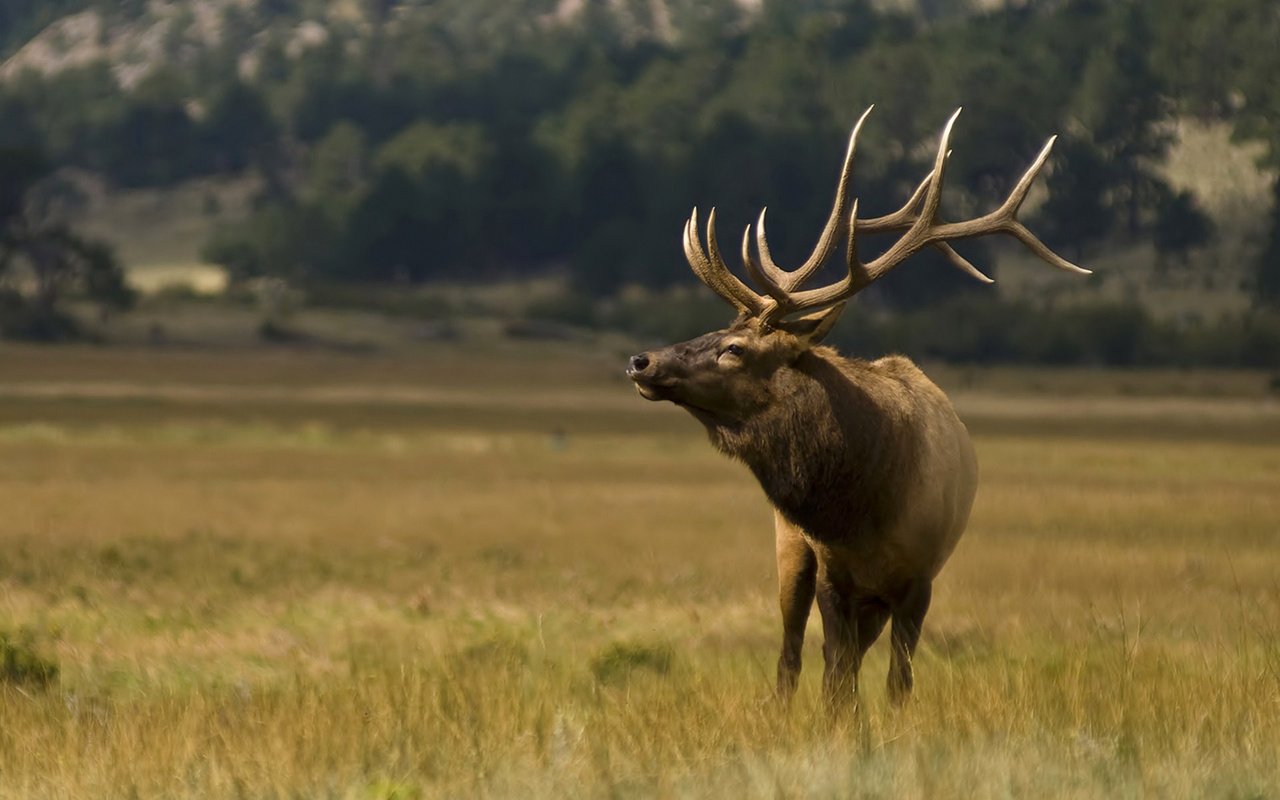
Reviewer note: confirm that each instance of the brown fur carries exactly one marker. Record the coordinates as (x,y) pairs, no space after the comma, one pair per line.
(869,469)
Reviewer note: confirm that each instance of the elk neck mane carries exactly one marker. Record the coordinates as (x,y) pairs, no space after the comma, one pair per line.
(834,444)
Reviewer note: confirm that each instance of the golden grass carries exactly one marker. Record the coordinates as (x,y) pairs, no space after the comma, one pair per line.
(422,597)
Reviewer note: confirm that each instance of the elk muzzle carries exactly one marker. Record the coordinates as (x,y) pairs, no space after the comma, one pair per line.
(644,372)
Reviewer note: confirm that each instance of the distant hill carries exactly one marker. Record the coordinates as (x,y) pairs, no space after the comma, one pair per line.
(136,35)
(176,33)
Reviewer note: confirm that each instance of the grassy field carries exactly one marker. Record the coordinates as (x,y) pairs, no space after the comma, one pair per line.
(499,573)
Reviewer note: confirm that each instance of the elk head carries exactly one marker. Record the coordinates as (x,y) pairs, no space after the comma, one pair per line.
(726,376)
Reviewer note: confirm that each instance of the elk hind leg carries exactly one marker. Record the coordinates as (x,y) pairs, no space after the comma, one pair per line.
(797,569)
(908,620)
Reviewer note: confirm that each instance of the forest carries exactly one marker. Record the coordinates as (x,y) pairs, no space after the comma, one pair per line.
(481,141)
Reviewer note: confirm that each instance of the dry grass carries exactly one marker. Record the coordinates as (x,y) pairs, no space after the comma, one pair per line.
(390,592)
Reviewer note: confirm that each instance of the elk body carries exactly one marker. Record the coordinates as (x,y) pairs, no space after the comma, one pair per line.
(870,471)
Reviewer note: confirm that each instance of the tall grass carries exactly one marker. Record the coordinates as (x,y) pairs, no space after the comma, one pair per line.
(309,600)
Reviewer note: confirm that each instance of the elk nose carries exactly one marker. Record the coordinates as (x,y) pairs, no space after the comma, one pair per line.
(639,364)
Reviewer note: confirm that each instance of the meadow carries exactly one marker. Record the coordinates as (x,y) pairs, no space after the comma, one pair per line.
(496,572)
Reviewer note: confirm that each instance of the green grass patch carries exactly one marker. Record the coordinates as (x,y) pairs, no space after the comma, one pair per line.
(21,663)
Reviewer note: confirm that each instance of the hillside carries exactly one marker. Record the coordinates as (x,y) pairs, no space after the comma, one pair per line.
(138,35)
(177,33)
(173,34)
(159,234)
(345,146)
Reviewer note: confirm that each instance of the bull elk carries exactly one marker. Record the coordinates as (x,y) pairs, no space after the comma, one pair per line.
(870,472)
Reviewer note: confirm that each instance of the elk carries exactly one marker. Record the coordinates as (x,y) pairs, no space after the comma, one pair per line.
(870,472)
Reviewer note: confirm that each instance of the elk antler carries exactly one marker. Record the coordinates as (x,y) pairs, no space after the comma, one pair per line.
(714,272)
(917,218)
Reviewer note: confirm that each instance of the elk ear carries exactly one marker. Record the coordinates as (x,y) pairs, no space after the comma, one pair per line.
(813,328)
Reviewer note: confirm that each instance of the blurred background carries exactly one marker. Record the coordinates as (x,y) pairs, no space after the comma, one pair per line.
(219,170)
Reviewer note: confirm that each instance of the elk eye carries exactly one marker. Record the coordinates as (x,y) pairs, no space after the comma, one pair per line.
(734,350)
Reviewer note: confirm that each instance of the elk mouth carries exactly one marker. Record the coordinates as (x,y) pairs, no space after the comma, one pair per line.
(656,392)
(651,390)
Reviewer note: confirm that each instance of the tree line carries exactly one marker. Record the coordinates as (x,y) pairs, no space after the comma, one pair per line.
(477,139)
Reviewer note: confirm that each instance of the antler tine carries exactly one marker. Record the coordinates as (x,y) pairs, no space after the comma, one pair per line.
(767,265)
(854,280)
(933,195)
(714,272)
(1004,220)
(1039,248)
(769,282)
(836,225)
(903,217)
(962,263)
(757,302)
(701,266)
(1009,209)
(1014,202)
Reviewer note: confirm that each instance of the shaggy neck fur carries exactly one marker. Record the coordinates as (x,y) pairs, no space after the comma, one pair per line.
(829,449)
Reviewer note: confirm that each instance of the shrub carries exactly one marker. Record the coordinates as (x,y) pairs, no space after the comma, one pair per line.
(621,660)
(22,319)
(1260,344)
(21,665)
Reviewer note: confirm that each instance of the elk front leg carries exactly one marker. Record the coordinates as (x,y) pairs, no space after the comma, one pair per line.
(851,622)
(797,569)
(908,620)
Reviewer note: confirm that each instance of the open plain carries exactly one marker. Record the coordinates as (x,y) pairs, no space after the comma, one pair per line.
(453,572)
